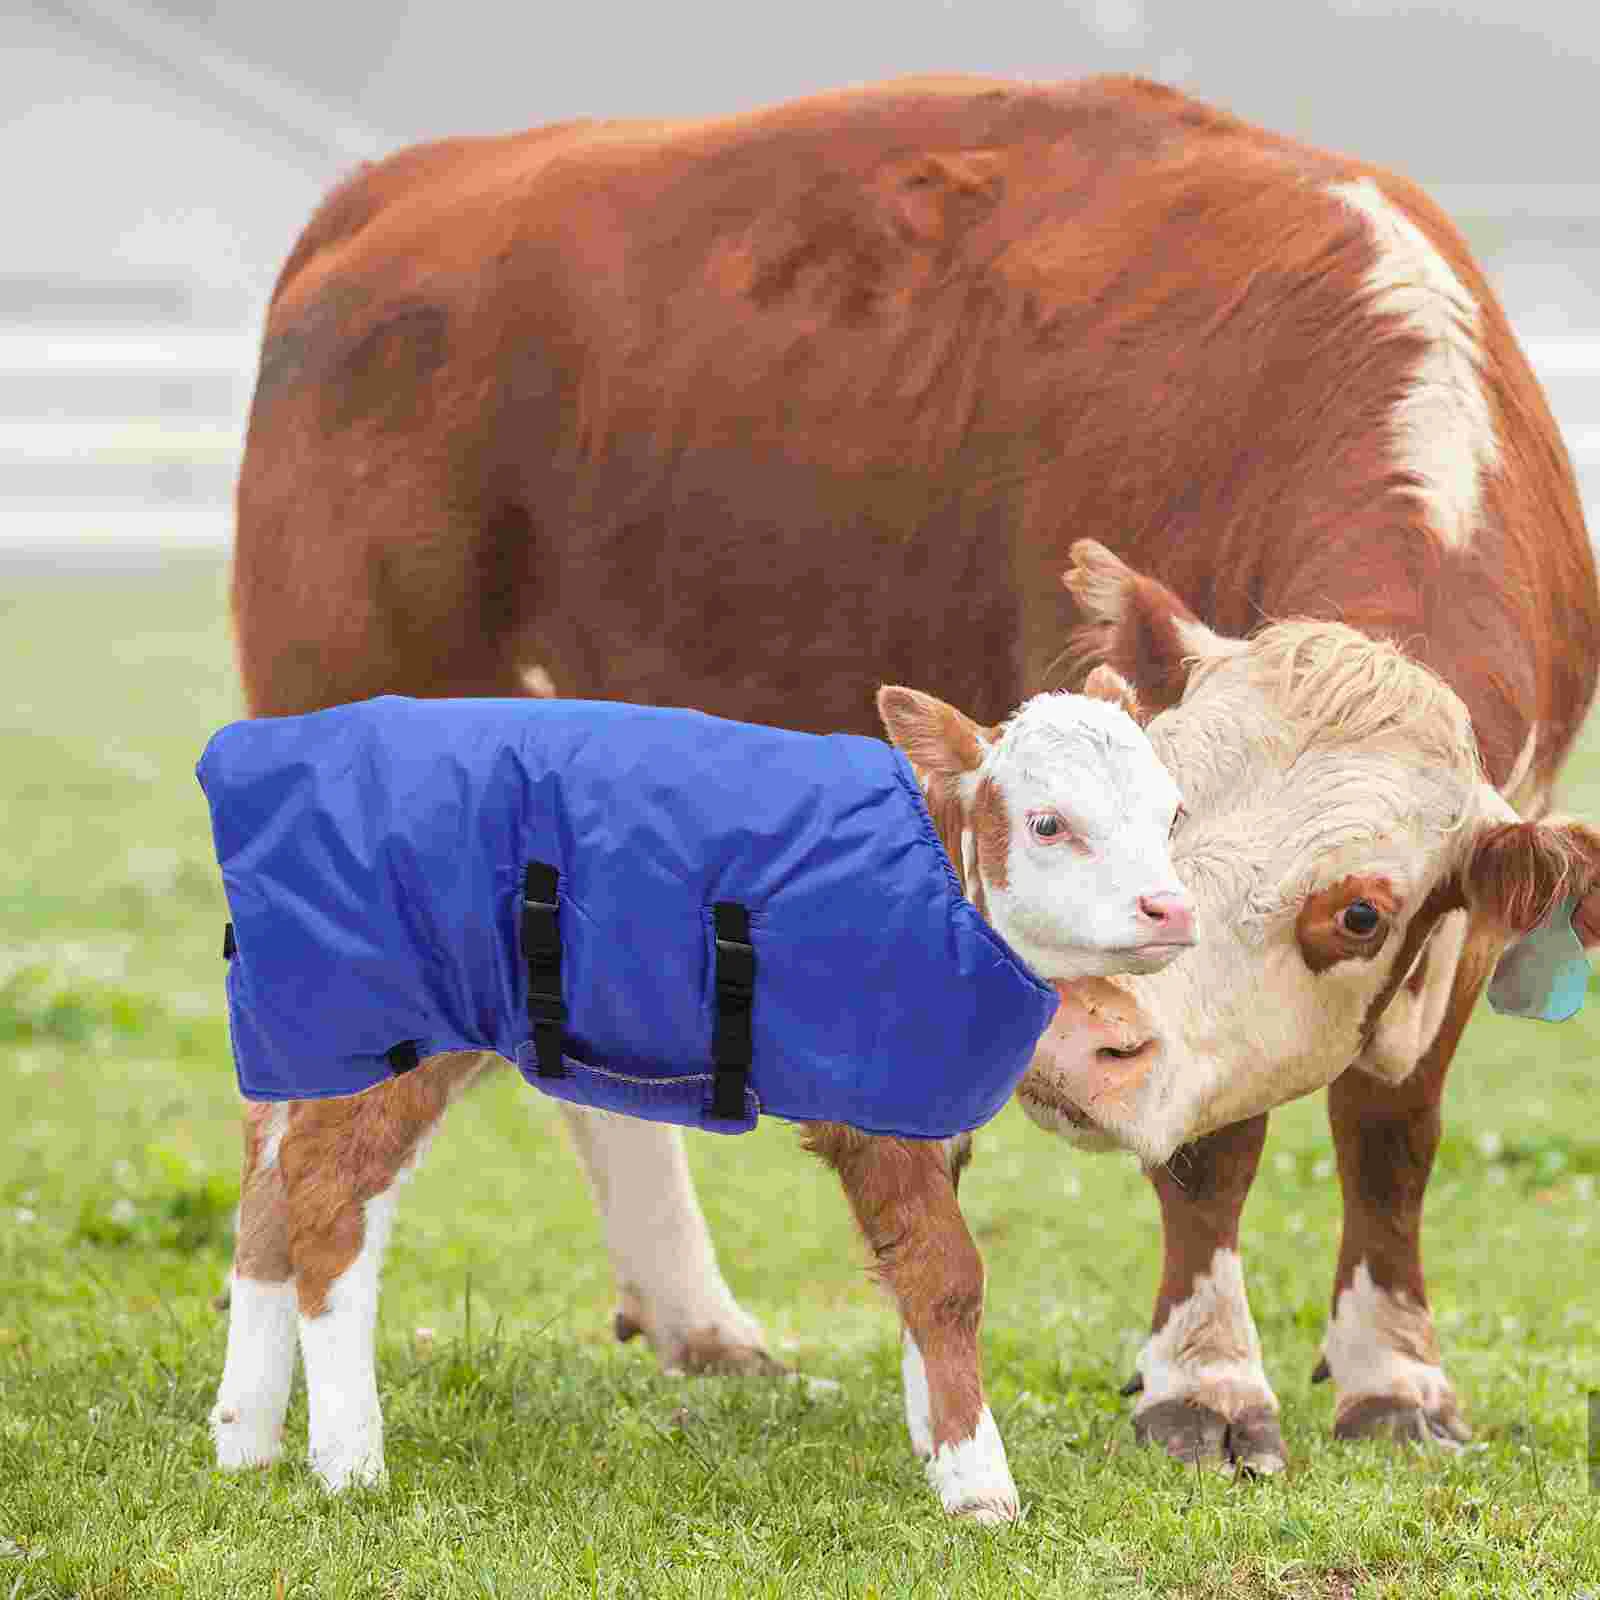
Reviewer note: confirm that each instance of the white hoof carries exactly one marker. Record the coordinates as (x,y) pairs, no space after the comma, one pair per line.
(339,1467)
(243,1439)
(247,1420)
(987,1513)
(973,1479)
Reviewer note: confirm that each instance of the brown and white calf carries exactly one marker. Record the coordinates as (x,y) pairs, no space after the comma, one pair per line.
(1056,823)
(752,413)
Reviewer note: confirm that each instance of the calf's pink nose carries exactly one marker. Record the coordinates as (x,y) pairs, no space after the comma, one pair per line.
(1171,916)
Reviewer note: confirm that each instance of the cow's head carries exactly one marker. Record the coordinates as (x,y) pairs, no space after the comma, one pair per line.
(1344,852)
(1057,823)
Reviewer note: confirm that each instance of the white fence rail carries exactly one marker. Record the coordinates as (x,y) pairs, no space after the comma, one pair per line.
(134,436)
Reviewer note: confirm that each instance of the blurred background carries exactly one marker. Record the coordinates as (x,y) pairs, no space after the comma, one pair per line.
(161,155)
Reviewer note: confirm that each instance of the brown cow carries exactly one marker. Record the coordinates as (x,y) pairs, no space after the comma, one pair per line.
(752,414)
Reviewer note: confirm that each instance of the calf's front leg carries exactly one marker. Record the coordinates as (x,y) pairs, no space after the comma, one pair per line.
(903,1194)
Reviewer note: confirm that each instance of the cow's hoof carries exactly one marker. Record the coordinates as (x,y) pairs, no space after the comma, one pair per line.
(709,1352)
(1379,1417)
(1251,1443)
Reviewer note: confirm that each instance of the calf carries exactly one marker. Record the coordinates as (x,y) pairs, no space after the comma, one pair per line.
(1055,825)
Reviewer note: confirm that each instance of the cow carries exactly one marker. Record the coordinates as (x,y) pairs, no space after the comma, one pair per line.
(754,413)
(1357,877)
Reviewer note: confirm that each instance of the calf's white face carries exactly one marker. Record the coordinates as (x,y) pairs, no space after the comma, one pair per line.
(1339,836)
(1058,823)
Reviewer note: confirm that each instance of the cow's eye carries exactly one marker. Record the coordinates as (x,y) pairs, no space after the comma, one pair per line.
(1046,825)
(1360,918)
(1179,817)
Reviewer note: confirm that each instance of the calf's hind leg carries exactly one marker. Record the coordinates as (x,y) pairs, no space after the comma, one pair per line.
(247,1420)
(903,1194)
(342,1162)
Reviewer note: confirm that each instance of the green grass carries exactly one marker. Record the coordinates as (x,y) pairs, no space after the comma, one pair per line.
(531,1456)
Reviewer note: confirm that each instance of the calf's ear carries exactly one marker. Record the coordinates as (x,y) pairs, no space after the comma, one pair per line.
(1106,683)
(1135,625)
(934,737)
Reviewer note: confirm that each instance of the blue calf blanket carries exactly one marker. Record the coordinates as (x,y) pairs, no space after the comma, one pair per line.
(650,911)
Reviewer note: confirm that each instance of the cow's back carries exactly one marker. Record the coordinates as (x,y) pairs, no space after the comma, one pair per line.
(758,413)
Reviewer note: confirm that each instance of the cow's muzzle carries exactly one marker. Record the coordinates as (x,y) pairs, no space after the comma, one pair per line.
(1092,1066)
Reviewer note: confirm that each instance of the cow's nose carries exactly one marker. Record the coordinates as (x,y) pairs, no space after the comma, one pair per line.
(1170,917)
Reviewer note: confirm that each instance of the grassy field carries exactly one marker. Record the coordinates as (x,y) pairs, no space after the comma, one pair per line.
(531,1456)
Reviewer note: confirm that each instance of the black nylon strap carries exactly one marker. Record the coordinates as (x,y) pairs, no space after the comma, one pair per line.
(541,949)
(736,987)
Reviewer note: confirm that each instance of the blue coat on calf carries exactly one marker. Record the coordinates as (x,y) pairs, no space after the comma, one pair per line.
(650,911)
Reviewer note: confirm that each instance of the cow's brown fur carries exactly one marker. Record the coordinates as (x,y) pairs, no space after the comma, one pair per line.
(1202,1191)
(753,414)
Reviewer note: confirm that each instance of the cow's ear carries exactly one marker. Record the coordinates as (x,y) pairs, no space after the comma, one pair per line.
(1106,683)
(1541,882)
(1520,872)
(1137,626)
(935,738)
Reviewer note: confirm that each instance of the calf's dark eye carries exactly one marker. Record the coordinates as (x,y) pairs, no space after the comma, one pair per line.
(1046,827)
(1360,917)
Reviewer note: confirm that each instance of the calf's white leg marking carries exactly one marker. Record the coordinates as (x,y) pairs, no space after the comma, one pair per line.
(1443,430)
(247,1420)
(341,1367)
(972,1477)
(914,1385)
(661,1250)
(1208,1350)
(1383,1345)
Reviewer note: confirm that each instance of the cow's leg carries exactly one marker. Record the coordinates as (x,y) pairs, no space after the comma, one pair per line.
(342,1162)
(903,1194)
(668,1282)
(247,1420)
(1203,1393)
(1381,1350)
